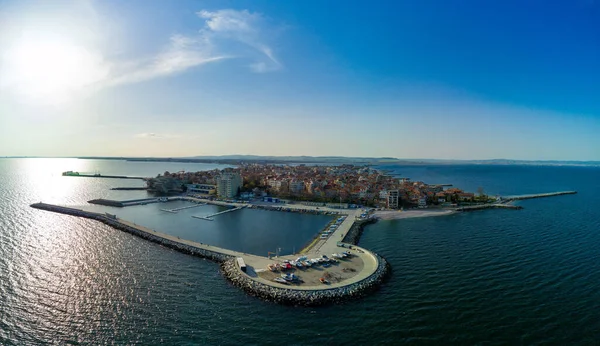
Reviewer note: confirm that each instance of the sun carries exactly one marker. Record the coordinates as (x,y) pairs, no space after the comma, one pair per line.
(52,71)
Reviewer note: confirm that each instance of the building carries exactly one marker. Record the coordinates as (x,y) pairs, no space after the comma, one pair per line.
(201,189)
(422,202)
(296,186)
(228,185)
(393,197)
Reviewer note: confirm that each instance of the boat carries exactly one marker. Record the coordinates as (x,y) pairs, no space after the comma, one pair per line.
(289,277)
(299,265)
(326,265)
(306,263)
(281,281)
(324,281)
(271,267)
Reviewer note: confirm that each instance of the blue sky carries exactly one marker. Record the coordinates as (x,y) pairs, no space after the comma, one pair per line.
(407,79)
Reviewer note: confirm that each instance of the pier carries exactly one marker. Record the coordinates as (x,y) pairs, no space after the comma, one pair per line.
(210,217)
(183,208)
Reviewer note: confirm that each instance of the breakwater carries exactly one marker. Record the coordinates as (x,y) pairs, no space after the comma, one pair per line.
(538,195)
(215,254)
(75,174)
(129,188)
(354,233)
(489,206)
(255,286)
(120,204)
(290,296)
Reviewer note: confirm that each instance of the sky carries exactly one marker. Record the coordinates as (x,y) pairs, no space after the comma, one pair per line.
(461,79)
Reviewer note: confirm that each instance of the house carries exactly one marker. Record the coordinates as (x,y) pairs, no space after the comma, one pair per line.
(440,197)
(466,196)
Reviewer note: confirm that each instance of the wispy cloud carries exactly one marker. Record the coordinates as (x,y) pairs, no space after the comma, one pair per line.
(212,43)
(152,135)
(245,27)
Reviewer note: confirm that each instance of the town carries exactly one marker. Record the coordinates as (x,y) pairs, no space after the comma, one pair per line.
(340,186)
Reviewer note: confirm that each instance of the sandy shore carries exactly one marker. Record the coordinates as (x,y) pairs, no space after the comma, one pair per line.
(406,214)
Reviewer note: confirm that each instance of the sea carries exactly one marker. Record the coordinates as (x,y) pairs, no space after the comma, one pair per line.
(493,277)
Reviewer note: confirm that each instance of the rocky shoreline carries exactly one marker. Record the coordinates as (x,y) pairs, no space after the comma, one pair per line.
(296,297)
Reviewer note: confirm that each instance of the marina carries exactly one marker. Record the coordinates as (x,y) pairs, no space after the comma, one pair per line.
(348,278)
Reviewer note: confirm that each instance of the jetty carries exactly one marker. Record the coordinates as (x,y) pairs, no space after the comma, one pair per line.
(127,203)
(537,195)
(210,217)
(98,175)
(488,206)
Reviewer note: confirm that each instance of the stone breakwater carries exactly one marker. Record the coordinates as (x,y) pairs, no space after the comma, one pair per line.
(107,220)
(297,297)
(353,235)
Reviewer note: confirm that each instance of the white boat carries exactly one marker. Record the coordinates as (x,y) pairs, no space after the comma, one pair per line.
(281,280)
(299,265)
(289,277)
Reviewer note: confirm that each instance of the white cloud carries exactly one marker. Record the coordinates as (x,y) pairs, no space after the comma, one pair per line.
(212,43)
(245,27)
(152,135)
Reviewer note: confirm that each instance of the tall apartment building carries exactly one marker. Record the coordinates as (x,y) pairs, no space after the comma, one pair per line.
(228,185)
(296,186)
(392,199)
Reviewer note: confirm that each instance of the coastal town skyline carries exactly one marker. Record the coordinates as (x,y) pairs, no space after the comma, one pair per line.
(403,79)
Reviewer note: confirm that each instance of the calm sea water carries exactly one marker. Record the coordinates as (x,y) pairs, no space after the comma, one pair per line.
(495,277)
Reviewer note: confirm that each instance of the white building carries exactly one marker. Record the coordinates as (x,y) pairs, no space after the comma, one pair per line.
(228,185)
(422,202)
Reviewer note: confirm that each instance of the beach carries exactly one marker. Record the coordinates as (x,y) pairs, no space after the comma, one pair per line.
(407,214)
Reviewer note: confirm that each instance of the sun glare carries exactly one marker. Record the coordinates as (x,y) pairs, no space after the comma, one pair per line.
(53,71)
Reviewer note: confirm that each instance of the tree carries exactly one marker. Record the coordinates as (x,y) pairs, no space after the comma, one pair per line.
(480,191)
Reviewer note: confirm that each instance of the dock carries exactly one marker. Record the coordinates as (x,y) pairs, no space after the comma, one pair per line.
(210,217)
(183,208)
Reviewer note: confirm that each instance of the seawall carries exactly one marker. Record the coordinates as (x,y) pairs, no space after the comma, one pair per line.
(105,219)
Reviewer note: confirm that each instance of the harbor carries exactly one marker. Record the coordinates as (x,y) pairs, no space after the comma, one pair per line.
(351,277)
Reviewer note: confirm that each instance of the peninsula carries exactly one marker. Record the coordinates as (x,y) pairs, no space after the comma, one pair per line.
(331,267)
